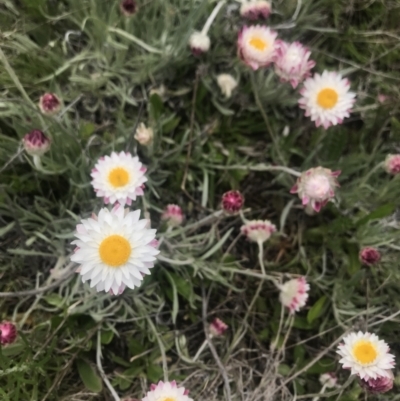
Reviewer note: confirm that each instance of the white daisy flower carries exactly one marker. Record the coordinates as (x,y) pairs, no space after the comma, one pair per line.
(168,391)
(326,98)
(366,355)
(119,178)
(294,294)
(256,46)
(114,249)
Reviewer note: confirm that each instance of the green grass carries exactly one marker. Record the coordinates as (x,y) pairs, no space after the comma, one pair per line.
(88,54)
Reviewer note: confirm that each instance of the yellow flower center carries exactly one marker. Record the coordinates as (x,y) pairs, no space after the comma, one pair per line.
(118,177)
(327,98)
(115,250)
(258,43)
(169,399)
(364,352)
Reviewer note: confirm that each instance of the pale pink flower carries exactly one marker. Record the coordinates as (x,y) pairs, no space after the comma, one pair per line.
(128,7)
(258,230)
(36,143)
(326,98)
(232,202)
(294,294)
(167,391)
(381,384)
(316,187)
(8,333)
(292,62)
(329,380)
(256,46)
(369,256)
(49,104)
(218,327)
(255,9)
(392,164)
(173,215)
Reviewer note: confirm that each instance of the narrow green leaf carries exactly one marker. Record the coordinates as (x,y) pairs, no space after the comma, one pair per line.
(379,213)
(89,376)
(316,311)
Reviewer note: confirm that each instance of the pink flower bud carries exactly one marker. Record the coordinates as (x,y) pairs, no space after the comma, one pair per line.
(199,43)
(49,104)
(329,380)
(128,7)
(218,327)
(36,143)
(379,385)
(294,294)
(232,202)
(255,9)
(369,256)
(316,187)
(172,215)
(8,333)
(392,164)
(258,230)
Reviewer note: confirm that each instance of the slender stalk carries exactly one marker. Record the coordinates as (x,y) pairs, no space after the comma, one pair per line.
(212,17)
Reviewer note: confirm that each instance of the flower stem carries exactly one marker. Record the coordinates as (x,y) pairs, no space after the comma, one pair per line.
(212,16)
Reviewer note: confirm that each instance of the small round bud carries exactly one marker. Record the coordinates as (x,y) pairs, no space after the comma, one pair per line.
(255,9)
(199,43)
(218,327)
(49,104)
(369,256)
(227,83)
(36,143)
(232,202)
(144,135)
(8,333)
(329,380)
(392,164)
(172,215)
(128,7)
(379,385)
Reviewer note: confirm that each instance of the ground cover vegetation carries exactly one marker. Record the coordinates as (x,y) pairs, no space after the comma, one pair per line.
(266,260)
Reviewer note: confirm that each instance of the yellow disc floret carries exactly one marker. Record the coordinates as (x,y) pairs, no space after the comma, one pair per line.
(258,43)
(115,250)
(118,177)
(364,352)
(327,98)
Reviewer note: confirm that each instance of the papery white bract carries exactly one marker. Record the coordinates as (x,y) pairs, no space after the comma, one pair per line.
(294,294)
(316,186)
(118,178)
(167,391)
(329,380)
(258,230)
(227,83)
(49,104)
(256,46)
(144,135)
(292,62)
(380,385)
(255,9)
(199,43)
(36,143)
(327,99)
(114,249)
(365,355)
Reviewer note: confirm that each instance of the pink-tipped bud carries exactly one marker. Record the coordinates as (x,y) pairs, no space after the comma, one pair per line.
(8,333)
(255,9)
(379,385)
(36,143)
(392,164)
(172,215)
(218,327)
(128,7)
(294,294)
(369,256)
(258,230)
(199,43)
(232,202)
(316,187)
(329,380)
(49,104)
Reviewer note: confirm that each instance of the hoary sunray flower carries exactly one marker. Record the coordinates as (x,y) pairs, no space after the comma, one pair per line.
(218,327)
(369,256)
(36,143)
(327,99)
(199,43)
(256,46)
(144,135)
(258,230)
(227,83)
(173,215)
(167,391)
(255,9)
(118,178)
(392,164)
(328,380)
(294,294)
(316,186)
(292,62)
(232,202)
(8,333)
(128,7)
(365,355)
(381,384)
(114,249)
(49,104)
